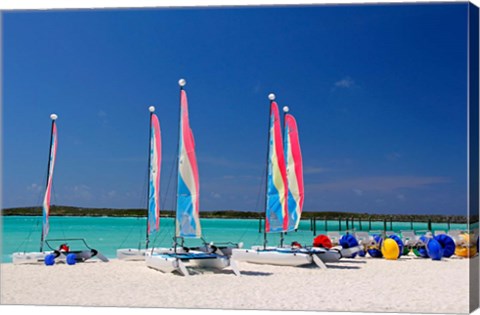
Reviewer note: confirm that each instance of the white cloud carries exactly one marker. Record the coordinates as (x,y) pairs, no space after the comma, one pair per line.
(358,192)
(215,195)
(82,192)
(345,83)
(34,187)
(112,193)
(103,117)
(381,183)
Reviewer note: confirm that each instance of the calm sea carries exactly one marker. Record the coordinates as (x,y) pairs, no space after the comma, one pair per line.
(106,234)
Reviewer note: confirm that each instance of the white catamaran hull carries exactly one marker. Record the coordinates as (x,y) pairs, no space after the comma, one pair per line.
(163,263)
(218,263)
(327,255)
(289,256)
(131,254)
(135,254)
(29,258)
(334,254)
(60,257)
(272,257)
(168,261)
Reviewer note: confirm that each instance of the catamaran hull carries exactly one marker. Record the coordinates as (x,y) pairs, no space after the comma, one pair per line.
(131,254)
(169,262)
(335,254)
(29,258)
(327,255)
(218,263)
(60,257)
(134,254)
(272,257)
(163,263)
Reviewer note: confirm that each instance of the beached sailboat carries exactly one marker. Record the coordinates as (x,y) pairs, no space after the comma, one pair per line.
(187,219)
(63,252)
(284,200)
(295,199)
(36,257)
(153,207)
(278,218)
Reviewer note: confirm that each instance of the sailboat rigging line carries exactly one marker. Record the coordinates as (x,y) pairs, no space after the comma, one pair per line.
(33,228)
(140,204)
(54,198)
(164,201)
(147,240)
(37,219)
(178,162)
(283,233)
(257,204)
(266,175)
(127,236)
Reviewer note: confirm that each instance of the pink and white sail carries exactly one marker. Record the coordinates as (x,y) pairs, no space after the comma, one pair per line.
(155,167)
(51,166)
(293,157)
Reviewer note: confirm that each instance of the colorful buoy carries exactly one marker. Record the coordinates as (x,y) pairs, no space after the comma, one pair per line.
(349,241)
(390,249)
(465,248)
(374,251)
(322,241)
(447,244)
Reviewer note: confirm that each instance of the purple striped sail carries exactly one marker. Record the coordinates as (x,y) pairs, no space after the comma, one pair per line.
(154,181)
(276,218)
(293,157)
(51,165)
(188,189)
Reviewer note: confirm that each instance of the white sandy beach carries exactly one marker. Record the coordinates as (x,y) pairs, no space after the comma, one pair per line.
(407,285)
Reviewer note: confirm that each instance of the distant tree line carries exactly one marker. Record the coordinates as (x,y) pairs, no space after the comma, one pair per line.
(234,214)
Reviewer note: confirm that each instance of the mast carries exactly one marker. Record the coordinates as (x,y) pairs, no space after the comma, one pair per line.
(53,117)
(181,83)
(151,109)
(285,138)
(271,97)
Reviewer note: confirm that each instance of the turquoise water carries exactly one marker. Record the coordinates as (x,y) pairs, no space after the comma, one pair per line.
(106,234)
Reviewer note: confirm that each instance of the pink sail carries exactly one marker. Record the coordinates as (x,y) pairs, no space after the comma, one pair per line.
(154,181)
(293,156)
(51,165)
(276,218)
(188,189)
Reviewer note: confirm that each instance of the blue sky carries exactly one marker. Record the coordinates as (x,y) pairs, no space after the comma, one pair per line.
(378,91)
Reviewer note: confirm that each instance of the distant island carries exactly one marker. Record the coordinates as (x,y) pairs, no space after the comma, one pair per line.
(234,214)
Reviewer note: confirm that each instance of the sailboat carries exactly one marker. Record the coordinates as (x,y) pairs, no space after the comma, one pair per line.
(277,216)
(284,199)
(187,218)
(153,207)
(293,160)
(63,252)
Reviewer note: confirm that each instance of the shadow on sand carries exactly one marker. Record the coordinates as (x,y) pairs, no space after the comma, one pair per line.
(199,272)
